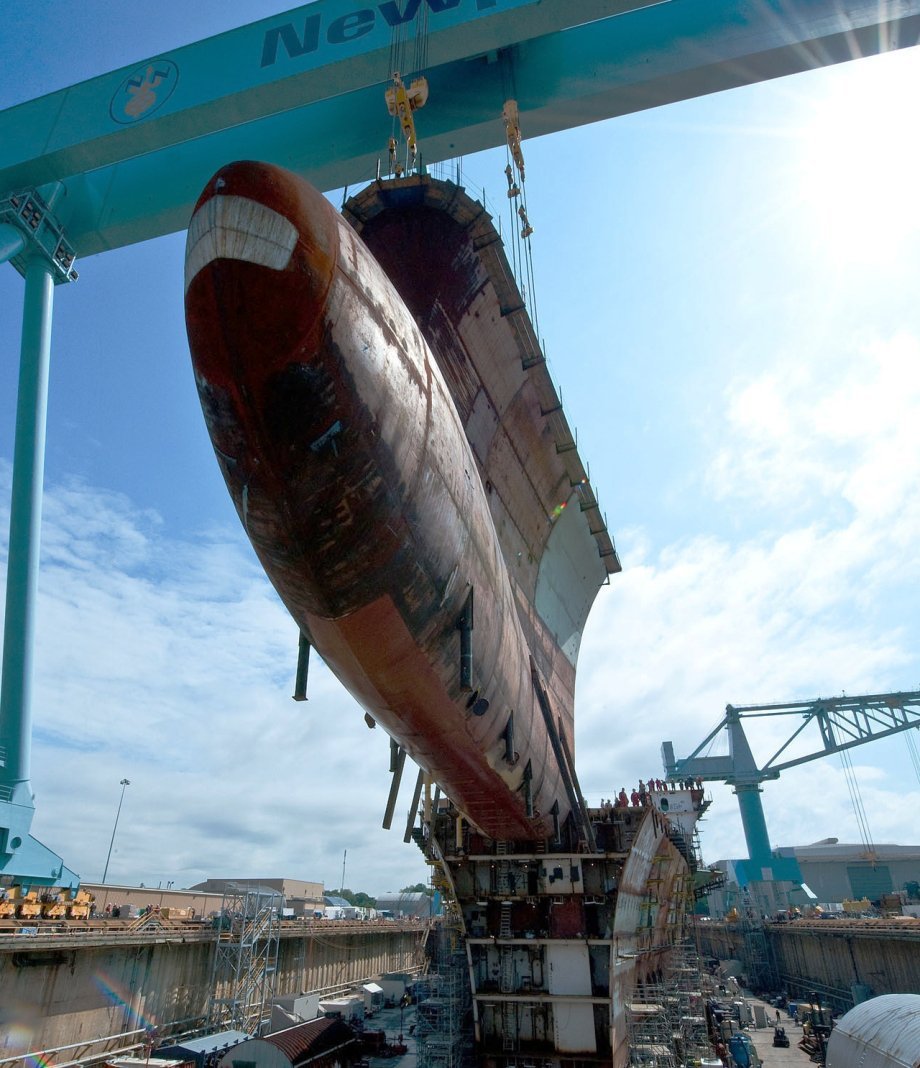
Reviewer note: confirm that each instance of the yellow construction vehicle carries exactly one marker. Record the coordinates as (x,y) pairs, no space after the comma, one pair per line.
(816,1024)
(54,906)
(80,904)
(30,906)
(9,901)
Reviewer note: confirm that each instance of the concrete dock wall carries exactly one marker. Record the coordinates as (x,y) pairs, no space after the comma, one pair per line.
(77,988)
(843,958)
(838,958)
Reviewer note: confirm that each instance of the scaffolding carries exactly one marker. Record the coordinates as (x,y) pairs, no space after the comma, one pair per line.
(757,954)
(648,1029)
(245,964)
(687,1004)
(666,1020)
(443,1029)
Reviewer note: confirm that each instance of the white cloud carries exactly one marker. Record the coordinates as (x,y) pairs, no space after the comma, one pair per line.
(804,604)
(833,426)
(171,664)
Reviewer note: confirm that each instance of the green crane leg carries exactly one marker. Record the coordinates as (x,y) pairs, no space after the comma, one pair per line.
(11,242)
(20,854)
(755,826)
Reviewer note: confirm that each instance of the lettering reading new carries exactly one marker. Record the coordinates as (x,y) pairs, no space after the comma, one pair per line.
(347,27)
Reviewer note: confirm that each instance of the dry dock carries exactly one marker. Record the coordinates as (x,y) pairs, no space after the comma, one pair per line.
(96,989)
(843,960)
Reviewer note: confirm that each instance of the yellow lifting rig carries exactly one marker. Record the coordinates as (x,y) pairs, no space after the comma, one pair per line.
(401,103)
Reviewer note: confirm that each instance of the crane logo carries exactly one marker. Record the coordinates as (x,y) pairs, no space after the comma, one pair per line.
(144,91)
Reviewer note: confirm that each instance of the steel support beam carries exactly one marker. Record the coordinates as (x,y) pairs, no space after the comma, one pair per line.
(20,854)
(25,531)
(305,90)
(12,242)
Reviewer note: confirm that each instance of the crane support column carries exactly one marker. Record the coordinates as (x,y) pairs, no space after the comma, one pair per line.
(25,529)
(20,854)
(754,823)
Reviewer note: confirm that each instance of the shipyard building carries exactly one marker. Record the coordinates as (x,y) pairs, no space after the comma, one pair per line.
(834,872)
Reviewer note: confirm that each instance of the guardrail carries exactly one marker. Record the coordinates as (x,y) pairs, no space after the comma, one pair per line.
(80,1053)
(20,935)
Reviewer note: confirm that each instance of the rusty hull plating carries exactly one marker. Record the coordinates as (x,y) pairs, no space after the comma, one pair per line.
(351,471)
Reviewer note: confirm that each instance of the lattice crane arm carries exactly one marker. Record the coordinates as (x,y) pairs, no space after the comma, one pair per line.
(844,722)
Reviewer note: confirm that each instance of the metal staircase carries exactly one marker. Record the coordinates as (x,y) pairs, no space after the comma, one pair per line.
(504,925)
(246,959)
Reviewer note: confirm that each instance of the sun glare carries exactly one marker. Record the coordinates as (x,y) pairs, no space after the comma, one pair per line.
(860,169)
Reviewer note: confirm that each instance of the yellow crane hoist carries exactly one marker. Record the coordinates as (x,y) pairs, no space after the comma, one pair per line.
(526,228)
(401,103)
(514,190)
(512,120)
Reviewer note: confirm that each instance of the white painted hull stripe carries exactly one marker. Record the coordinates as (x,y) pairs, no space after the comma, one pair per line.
(237,228)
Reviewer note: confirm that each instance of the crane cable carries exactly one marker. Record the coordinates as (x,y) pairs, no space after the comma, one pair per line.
(421,39)
(859,809)
(912,750)
(403,99)
(522,250)
(395,62)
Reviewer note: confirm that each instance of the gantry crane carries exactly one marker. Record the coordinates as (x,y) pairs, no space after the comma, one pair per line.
(843,722)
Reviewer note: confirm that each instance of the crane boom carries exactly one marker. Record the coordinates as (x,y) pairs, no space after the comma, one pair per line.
(843,722)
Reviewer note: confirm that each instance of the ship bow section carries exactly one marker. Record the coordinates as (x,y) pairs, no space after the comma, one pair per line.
(355,482)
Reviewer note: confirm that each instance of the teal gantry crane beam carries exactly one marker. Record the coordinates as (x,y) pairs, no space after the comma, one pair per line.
(305,89)
(843,722)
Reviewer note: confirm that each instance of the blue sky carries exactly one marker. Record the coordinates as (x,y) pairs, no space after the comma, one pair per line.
(728,292)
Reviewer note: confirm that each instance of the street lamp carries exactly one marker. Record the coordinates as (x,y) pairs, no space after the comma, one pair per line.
(122,784)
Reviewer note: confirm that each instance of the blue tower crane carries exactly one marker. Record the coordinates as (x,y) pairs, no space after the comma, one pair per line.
(843,722)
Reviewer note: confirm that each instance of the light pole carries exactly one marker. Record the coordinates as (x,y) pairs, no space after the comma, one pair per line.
(122,784)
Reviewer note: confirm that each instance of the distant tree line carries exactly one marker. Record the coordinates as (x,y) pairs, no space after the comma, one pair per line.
(358,898)
(363,900)
(419,888)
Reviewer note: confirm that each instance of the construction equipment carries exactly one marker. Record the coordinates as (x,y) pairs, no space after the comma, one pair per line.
(9,901)
(402,101)
(816,1024)
(51,903)
(54,906)
(80,904)
(30,906)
